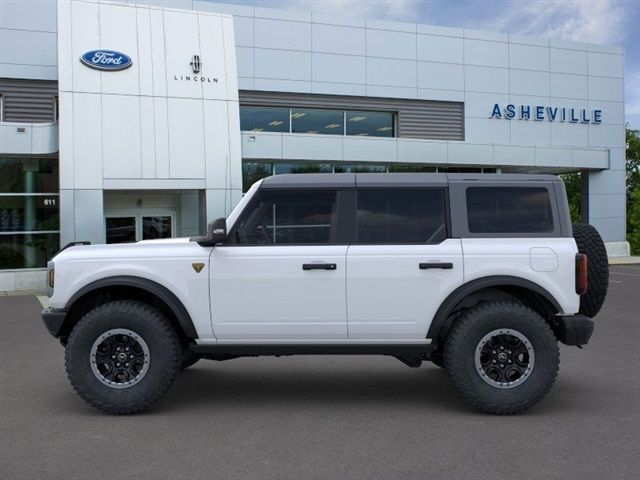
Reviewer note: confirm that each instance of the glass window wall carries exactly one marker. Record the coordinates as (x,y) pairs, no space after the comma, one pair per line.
(20,175)
(28,213)
(327,122)
(361,168)
(254,171)
(280,168)
(29,206)
(30,250)
(372,124)
(412,168)
(317,121)
(264,119)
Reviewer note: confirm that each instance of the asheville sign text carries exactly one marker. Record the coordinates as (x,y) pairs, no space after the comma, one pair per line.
(552,114)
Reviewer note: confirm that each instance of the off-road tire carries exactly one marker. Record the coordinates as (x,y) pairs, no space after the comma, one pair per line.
(590,243)
(188,358)
(463,340)
(164,356)
(437,358)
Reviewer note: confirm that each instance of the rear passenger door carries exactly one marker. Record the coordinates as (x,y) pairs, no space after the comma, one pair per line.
(402,264)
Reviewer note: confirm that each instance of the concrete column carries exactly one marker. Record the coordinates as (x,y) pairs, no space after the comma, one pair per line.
(189,214)
(220,203)
(606,203)
(81,216)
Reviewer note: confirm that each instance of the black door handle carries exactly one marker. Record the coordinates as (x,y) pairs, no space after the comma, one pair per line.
(319,266)
(442,265)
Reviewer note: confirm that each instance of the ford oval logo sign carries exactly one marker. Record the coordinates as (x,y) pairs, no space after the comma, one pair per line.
(108,60)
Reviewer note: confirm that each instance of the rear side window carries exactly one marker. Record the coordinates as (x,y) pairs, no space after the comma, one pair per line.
(289,217)
(509,210)
(401,216)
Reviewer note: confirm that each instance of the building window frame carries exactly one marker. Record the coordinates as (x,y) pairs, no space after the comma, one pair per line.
(345,111)
(28,240)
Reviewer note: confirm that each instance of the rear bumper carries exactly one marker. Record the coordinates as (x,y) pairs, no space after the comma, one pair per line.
(53,319)
(574,330)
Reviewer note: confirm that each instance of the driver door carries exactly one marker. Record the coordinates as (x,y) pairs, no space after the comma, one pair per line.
(281,275)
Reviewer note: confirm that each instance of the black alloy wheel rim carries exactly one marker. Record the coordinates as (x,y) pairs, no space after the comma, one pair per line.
(119,358)
(504,358)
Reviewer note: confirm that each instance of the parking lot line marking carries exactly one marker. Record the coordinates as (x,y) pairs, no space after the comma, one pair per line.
(615,281)
(44,300)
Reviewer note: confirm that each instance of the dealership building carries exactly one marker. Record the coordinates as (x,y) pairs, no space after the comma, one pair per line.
(129,121)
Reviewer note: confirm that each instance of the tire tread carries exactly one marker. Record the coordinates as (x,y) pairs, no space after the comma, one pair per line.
(161,325)
(458,336)
(590,243)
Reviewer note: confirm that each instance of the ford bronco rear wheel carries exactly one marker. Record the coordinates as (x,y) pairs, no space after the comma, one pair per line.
(502,357)
(122,356)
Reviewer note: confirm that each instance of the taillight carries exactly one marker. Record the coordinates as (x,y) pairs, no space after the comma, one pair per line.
(582,261)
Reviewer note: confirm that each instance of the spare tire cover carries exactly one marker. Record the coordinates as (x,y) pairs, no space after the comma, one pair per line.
(590,243)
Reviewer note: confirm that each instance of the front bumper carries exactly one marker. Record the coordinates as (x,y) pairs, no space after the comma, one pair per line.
(574,330)
(53,319)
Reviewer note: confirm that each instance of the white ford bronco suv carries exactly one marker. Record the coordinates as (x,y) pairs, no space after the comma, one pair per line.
(480,274)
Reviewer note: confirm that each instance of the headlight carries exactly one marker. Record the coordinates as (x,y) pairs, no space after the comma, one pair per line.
(51,276)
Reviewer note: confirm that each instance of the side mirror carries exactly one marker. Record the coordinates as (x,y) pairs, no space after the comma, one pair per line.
(217,231)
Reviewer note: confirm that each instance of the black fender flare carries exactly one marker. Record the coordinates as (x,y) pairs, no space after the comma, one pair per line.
(154,288)
(442,323)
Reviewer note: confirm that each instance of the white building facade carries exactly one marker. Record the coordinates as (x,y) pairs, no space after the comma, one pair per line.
(127,121)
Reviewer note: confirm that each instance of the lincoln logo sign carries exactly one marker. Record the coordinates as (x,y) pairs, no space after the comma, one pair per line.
(551,114)
(108,60)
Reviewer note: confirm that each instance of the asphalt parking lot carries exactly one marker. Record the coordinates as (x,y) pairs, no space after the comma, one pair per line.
(324,417)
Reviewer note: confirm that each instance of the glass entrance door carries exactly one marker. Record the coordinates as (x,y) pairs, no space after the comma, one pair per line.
(124,228)
(157,226)
(121,229)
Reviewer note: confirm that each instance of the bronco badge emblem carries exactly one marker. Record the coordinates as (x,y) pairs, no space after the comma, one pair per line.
(197,267)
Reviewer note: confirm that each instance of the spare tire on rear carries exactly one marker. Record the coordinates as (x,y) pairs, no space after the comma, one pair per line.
(590,243)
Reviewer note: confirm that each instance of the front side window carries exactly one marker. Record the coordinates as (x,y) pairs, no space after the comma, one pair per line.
(401,216)
(280,217)
(509,210)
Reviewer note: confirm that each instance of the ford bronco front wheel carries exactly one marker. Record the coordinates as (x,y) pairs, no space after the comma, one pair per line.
(122,356)
(502,357)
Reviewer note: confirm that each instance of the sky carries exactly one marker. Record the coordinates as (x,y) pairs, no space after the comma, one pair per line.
(607,22)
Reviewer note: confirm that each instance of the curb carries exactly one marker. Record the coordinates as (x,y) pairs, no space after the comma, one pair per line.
(634,260)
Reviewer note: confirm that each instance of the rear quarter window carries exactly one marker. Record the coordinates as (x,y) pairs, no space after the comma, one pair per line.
(509,210)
